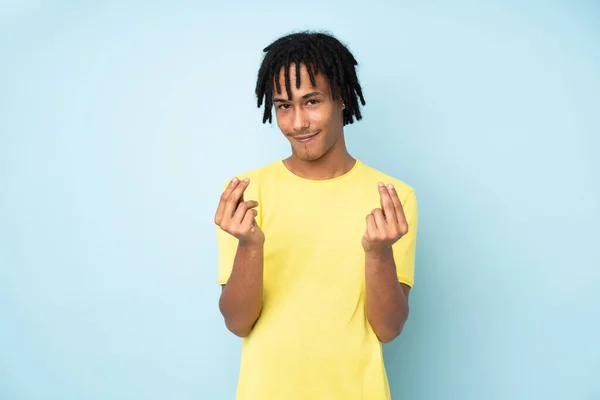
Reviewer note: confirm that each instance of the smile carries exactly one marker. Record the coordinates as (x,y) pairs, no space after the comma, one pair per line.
(306,139)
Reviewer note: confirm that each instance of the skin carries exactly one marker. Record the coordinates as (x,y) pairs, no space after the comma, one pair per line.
(311,110)
(386,297)
(241,299)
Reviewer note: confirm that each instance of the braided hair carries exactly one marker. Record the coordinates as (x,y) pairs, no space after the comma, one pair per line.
(319,52)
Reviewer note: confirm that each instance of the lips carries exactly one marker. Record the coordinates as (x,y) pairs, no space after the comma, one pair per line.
(306,138)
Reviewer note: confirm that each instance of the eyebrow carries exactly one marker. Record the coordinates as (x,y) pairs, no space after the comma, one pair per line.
(307,95)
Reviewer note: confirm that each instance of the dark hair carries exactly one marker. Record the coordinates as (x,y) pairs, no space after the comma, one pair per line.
(319,52)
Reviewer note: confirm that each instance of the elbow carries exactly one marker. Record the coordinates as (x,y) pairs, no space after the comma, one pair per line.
(239,325)
(239,318)
(389,333)
(240,332)
(388,336)
(233,324)
(237,329)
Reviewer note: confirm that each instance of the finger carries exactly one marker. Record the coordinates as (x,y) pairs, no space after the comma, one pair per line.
(248,220)
(223,199)
(241,210)
(397,204)
(234,198)
(386,204)
(371,226)
(379,218)
(254,226)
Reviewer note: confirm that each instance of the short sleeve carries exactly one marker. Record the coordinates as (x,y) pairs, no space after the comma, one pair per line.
(404,249)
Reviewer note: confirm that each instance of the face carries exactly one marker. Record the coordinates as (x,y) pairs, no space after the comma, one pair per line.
(312,121)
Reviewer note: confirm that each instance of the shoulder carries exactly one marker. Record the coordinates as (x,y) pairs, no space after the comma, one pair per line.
(402,188)
(258,176)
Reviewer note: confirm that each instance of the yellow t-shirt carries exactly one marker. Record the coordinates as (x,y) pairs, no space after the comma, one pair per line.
(312,340)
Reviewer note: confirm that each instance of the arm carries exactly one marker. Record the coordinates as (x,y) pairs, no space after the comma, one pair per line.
(241,298)
(386,297)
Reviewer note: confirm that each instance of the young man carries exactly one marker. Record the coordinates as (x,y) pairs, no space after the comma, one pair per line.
(316,251)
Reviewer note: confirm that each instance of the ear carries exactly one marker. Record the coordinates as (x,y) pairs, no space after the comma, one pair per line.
(341,101)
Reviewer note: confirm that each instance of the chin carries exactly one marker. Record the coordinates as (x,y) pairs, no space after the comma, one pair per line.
(310,157)
(305,154)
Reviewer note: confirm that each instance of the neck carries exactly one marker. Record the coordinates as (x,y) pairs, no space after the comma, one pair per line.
(336,162)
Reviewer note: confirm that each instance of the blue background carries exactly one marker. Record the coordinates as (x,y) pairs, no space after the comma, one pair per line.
(120,122)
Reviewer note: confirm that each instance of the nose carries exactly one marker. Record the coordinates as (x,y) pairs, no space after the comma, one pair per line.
(300,122)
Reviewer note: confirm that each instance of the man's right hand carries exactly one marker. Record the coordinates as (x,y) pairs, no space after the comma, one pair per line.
(236,216)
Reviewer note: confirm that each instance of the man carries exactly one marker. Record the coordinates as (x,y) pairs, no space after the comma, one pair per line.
(316,251)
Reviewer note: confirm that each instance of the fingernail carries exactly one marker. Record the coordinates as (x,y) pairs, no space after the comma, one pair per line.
(380,184)
(234,180)
(246,180)
(391,186)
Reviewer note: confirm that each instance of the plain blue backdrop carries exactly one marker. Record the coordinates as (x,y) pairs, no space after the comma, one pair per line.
(120,122)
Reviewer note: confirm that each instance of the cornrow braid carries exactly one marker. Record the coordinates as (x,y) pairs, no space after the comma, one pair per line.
(320,53)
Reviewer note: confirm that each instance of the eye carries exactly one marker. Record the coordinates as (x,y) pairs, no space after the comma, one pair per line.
(313,101)
(283,106)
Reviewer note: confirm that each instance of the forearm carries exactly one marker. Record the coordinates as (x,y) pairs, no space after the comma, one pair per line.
(386,302)
(241,299)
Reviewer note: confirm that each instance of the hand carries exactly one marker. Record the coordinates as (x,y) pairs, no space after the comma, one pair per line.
(385,225)
(236,216)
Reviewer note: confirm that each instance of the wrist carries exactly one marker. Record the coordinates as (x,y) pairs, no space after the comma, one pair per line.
(250,246)
(379,253)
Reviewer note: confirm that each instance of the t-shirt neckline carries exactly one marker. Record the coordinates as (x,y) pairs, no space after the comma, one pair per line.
(319,181)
